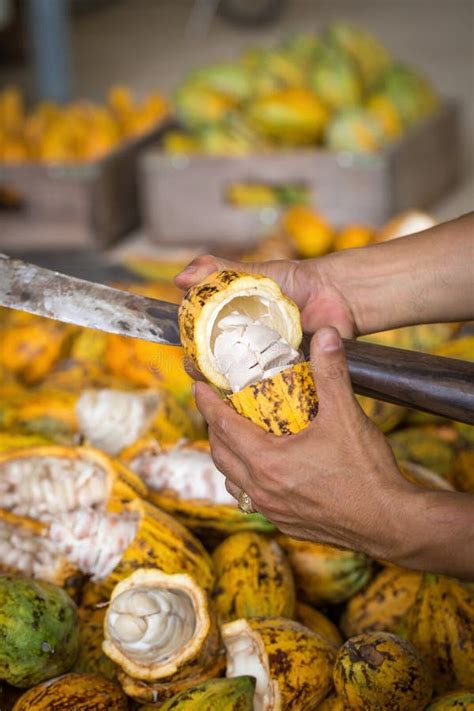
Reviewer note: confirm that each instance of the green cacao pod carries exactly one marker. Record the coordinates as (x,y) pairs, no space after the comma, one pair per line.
(324,574)
(39,631)
(214,695)
(461,700)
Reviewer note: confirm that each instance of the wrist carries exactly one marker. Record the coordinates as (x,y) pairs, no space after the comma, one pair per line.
(421,278)
(360,284)
(437,533)
(392,539)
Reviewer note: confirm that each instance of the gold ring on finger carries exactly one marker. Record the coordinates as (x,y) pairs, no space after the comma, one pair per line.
(245,503)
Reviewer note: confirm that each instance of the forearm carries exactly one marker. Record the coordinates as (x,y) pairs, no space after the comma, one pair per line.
(424,278)
(437,533)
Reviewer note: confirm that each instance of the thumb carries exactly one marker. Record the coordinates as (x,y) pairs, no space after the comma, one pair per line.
(329,366)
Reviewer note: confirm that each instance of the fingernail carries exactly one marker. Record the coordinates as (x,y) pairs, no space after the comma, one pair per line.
(190,269)
(193,389)
(328,339)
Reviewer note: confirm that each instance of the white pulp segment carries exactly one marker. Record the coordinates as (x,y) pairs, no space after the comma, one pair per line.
(93,540)
(243,659)
(151,625)
(113,419)
(26,552)
(188,473)
(41,487)
(247,349)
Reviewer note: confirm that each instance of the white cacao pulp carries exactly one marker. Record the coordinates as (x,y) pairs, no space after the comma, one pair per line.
(189,473)
(248,349)
(151,625)
(244,658)
(93,540)
(40,487)
(114,419)
(27,553)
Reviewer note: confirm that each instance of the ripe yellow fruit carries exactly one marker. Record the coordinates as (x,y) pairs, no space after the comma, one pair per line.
(253,578)
(225,322)
(353,236)
(81,692)
(317,622)
(75,132)
(156,623)
(310,233)
(386,114)
(440,624)
(283,404)
(381,605)
(292,116)
(379,670)
(221,294)
(292,664)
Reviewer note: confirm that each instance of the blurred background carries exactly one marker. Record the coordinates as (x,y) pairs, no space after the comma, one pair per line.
(231,114)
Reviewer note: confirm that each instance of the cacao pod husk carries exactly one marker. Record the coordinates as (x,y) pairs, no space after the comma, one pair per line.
(379,670)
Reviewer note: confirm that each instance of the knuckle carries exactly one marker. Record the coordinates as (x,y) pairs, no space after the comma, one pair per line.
(218,457)
(261,469)
(219,425)
(333,371)
(268,468)
(262,500)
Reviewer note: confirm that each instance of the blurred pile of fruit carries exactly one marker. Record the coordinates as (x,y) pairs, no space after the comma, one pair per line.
(304,233)
(112,527)
(76,132)
(341,89)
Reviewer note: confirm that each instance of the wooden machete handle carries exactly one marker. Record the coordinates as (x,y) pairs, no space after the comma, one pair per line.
(441,386)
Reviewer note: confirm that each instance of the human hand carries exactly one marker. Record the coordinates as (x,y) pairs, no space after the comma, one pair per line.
(421,278)
(336,482)
(312,284)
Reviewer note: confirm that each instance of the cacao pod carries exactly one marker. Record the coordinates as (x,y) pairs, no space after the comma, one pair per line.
(317,622)
(253,578)
(379,670)
(382,604)
(324,574)
(81,692)
(440,624)
(292,664)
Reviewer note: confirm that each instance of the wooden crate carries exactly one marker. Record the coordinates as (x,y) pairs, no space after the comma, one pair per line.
(91,203)
(184,198)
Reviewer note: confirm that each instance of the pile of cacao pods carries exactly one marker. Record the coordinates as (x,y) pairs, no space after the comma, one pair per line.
(340,88)
(76,132)
(114,524)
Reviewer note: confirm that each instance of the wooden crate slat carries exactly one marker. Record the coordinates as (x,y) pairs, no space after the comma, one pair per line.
(184,202)
(94,202)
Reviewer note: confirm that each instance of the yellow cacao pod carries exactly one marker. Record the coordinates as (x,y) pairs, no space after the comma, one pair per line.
(253,578)
(382,604)
(379,670)
(440,624)
(292,664)
(315,621)
(81,692)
